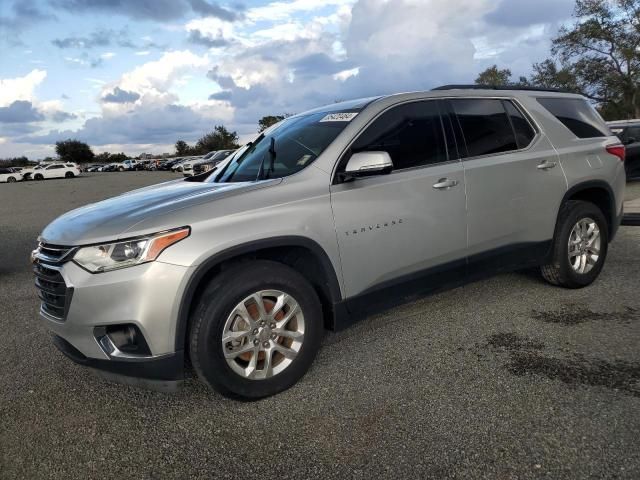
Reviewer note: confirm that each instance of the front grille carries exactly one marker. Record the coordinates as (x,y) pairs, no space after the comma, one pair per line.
(53,253)
(52,290)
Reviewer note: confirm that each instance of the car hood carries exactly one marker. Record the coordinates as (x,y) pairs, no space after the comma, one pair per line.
(117,217)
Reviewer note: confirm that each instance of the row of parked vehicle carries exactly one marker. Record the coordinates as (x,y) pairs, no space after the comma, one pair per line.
(192,165)
(188,166)
(39,172)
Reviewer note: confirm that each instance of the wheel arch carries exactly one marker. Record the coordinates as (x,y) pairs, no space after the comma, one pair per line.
(300,253)
(600,194)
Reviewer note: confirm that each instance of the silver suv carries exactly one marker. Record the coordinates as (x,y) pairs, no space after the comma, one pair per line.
(326,217)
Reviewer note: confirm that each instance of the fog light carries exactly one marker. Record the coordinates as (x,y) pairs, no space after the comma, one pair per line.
(122,340)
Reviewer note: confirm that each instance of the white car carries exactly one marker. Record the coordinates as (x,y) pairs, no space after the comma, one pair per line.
(187,167)
(178,167)
(56,170)
(128,165)
(9,176)
(27,173)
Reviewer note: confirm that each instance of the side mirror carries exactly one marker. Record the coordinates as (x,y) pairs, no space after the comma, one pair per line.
(367,164)
(630,140)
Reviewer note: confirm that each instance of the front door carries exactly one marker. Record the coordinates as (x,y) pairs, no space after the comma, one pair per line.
(408,223)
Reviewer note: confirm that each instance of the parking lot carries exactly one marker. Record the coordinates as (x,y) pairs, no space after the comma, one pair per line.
(507,378)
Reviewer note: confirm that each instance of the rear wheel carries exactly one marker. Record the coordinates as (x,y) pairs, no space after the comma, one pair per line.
(69,175)
(121,169)
(256,330)
(579,247)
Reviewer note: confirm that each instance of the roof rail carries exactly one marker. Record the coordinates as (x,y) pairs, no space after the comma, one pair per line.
(492,87)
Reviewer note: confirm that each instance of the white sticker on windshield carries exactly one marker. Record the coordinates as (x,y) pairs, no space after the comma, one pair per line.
(339,117)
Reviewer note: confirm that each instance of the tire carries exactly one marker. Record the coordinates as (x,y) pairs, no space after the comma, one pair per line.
(69,175)
(38,176)
(560,271)
(121,169)
(213,314)
(11,180)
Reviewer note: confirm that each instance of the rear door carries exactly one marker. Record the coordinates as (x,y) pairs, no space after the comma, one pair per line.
(514,181)
(54,171)
(404,225)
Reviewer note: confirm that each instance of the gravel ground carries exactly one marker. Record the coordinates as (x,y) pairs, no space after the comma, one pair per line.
(507,378)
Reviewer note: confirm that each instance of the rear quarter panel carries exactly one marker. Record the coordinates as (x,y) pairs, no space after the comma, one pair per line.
(583,160)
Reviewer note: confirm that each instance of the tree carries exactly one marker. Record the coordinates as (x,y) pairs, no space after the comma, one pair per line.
(74,151)
(219,139)
(181,148)
(268,120)
(118,157)
(548,74)
(494,77)
(103,157)
(600,55)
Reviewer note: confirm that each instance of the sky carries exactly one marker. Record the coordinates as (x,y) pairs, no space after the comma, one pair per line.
(138,75)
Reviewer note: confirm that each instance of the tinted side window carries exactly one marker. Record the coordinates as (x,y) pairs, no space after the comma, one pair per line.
(522,128)
(4,170)
(411,134)
(577,115)
(485,126)
(53,167)
(633,133)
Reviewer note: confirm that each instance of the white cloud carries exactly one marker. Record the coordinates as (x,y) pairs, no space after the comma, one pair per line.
(20,88)
(107,55)
(143,53)
(278,11)
(345,74)
(157,76)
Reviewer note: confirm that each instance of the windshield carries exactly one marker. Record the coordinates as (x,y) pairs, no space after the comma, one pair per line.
(287,149)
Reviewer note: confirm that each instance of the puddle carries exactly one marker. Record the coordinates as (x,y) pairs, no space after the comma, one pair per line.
(573,315)
(526,358)
(513,342)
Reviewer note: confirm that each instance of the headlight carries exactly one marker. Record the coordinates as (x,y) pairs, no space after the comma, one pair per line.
(126,253)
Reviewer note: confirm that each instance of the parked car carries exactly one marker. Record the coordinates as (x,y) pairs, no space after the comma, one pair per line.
(111,167)
(166,165)
(206,165)
(327,217)
(27,173)
(8,175)
(141,165)
(178,166)
(628,131)
(187,167)
(93,168)
(57,170)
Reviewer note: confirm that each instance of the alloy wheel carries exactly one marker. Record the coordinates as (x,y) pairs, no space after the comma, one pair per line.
(584,245)
(263,334)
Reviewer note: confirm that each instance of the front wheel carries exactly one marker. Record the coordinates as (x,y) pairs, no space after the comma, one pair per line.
(38,176)
(11,180)
(579,247)
(256,330)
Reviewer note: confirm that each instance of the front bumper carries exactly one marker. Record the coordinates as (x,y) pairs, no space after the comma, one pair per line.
(147,296)
(164,373)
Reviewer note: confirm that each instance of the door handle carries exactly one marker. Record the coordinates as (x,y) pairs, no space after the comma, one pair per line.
(547,165)
(445,184)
